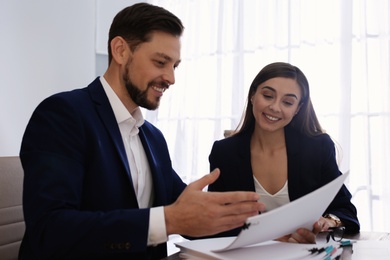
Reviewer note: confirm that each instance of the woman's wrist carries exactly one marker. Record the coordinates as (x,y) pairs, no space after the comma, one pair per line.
(334,219)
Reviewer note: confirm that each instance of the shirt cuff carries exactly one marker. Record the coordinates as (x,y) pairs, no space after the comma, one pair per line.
(157,229)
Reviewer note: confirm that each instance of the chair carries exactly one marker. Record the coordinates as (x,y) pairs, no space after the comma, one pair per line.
(11,213)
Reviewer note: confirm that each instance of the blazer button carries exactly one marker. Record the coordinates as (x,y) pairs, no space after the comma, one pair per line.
(127,245)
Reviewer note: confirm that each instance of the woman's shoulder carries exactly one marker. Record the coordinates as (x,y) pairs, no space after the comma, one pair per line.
(231,145)
(233,139)
(311,144)
(320,137)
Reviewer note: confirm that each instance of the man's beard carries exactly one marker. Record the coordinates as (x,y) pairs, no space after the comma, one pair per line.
(139,97)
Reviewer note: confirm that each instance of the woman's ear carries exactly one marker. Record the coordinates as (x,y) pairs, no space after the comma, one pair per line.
(119,50)
(298,108)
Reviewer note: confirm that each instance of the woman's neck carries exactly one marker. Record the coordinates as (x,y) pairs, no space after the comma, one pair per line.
(268,141)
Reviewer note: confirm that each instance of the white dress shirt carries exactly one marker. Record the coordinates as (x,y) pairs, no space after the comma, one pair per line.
(138,162)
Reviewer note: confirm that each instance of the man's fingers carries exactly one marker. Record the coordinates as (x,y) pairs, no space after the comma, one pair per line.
(234,197)
(205,180)
(222,197)
(243,207)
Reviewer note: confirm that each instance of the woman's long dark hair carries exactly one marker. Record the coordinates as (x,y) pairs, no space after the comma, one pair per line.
(306,120)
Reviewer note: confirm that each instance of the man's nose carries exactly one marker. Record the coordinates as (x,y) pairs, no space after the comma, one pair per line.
(169,76)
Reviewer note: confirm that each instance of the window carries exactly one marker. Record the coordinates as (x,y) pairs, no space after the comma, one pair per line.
(343,47)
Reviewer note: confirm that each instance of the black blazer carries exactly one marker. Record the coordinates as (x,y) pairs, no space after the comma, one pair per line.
(79,201)
(311,164)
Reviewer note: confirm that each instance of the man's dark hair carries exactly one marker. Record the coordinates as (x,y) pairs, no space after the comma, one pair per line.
(135,24)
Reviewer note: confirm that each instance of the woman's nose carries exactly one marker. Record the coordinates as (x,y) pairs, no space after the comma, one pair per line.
(274,107)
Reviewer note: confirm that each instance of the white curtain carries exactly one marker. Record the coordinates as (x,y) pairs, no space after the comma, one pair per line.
(343,47)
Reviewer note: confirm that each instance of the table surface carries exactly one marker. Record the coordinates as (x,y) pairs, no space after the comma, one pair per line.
(347,253)
(370,236)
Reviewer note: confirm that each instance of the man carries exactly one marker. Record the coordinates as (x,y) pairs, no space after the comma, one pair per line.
(99,183)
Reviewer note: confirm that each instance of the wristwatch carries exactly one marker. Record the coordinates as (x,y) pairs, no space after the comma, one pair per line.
(334,218)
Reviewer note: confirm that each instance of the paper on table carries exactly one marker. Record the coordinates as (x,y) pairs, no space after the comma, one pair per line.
(202,249)
(300,213)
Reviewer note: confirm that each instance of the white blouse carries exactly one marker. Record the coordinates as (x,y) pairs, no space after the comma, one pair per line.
(272,201)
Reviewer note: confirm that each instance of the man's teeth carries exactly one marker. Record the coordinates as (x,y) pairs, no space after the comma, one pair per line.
(271,118)
(159,89)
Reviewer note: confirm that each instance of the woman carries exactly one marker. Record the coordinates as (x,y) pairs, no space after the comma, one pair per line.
(280,150)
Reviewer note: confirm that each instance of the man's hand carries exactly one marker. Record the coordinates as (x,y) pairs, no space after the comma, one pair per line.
(197,213)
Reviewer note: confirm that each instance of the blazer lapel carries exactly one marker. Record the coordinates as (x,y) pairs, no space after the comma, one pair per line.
(244,151)
(160,197)
(107,116)
(292,141)
(293,146)
(233,157)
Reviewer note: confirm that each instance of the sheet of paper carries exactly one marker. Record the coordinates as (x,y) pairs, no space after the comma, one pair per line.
(303,212)
(202,249)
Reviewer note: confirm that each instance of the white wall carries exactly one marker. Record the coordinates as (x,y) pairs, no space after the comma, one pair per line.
(105,13)
(46,46)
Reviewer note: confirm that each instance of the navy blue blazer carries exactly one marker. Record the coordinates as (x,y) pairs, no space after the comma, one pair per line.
(311,164)
(79,201)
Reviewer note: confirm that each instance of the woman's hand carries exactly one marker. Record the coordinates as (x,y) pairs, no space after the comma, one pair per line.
(305,236)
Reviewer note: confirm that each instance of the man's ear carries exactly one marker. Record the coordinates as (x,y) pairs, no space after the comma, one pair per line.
(119,50)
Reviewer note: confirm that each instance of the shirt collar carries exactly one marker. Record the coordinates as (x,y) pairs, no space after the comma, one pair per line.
(120,111)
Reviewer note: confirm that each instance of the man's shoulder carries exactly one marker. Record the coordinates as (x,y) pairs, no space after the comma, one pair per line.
(77,95)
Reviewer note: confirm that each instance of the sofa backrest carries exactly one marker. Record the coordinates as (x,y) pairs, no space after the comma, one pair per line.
(11,212)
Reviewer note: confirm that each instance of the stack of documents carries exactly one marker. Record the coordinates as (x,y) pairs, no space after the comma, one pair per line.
(256,238)
(204,249)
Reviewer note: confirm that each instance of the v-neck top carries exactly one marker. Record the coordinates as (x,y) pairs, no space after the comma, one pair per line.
(272,201)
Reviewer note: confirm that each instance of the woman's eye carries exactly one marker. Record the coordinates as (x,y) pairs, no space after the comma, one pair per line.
(267,96)
(288,103)
(160,63)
